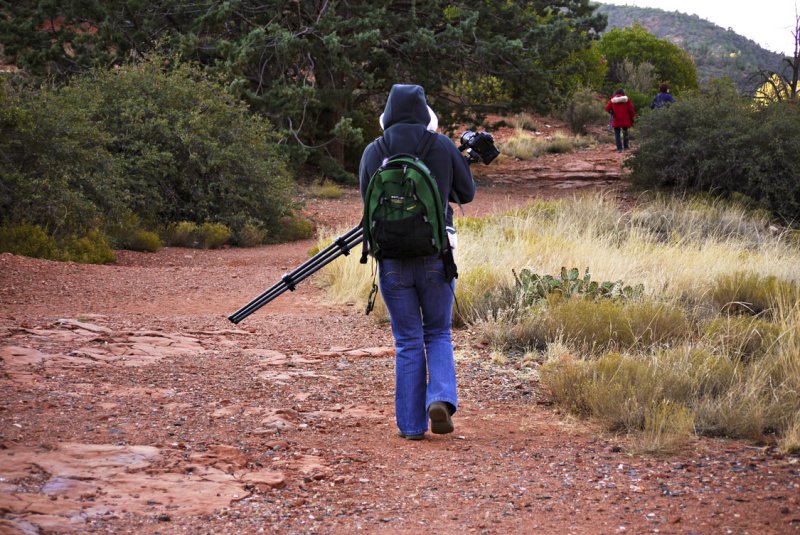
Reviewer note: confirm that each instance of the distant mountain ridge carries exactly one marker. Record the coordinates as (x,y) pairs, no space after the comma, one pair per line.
(717,51)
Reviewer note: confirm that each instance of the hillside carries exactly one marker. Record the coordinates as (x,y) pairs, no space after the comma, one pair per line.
(717,51)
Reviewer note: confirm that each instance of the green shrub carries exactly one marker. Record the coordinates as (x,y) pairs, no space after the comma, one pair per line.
(773,169)
(711,373)
(295,228)
(559,145)
(28,240)
(591,326)
(667,427)
(641,102)
(57,171)
(205,236)
(625,393)
(715,141)
(182,234)
(33,241)
(584,109)
(141,240)
(126,232)
(250,235)
(212,235)
(93,248)
(790,441)
(481,294)
(526,146)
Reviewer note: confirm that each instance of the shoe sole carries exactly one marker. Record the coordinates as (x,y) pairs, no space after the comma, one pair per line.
(411,437)
(441,424)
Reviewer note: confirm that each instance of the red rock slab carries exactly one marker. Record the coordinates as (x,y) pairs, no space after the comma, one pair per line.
(90,480)
(374,352)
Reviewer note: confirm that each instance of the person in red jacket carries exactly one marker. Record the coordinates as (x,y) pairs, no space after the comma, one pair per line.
(621,109)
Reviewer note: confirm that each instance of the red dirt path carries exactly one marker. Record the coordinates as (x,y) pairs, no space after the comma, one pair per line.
(129,404)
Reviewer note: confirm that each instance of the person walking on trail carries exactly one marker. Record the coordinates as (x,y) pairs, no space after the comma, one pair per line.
(663,99)
(621,107)
(416,292)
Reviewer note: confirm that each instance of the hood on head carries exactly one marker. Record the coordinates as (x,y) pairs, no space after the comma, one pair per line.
(406,104)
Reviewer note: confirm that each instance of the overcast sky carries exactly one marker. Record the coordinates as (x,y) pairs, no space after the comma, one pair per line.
(767,22)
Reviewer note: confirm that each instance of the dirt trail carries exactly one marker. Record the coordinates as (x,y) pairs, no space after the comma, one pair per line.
(128,404)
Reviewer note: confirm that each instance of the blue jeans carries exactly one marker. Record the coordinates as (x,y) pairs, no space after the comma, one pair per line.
(621,142)
(420,304)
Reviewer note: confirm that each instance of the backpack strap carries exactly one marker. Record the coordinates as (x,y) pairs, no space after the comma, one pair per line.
(383,149)
(425,144)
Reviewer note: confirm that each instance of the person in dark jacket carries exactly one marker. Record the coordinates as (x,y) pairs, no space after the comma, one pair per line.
(663,99)
(622,109)
(417,295)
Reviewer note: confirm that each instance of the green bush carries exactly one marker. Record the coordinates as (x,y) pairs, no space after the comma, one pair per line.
(773,171)
(716,141)
(91,248)
(57,171)
(28,240)
(295,228)
(626,393)
(142,240)
(205,236)
(584,109)
(188,149)
(181,234)
(250,235)
(126,232)
(33,241)
(213,235)
(592,326)
(523,121)
(160,140)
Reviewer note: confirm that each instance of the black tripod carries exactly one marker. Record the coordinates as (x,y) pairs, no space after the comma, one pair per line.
(341,246)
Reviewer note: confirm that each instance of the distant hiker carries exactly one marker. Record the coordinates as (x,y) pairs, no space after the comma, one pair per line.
(663,99)
(417,292)
(621,109)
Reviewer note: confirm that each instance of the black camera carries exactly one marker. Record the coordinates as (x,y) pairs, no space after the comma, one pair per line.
(479,146)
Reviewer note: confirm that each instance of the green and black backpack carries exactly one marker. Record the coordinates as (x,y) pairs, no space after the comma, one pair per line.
(403,212)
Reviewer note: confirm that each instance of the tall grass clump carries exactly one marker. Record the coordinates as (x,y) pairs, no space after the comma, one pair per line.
(526,146)
(326,189)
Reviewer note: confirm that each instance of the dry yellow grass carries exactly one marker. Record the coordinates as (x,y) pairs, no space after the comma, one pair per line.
(714,378)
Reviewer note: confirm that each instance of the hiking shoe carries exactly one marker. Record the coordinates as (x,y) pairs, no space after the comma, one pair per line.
(411,437)
(441,423)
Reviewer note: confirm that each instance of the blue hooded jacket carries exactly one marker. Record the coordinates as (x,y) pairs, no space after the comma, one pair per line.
(405,120)
(661,100)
